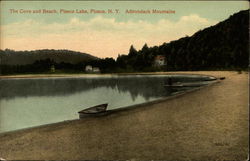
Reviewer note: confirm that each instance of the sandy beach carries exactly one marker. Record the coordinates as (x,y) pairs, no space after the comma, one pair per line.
(208,124)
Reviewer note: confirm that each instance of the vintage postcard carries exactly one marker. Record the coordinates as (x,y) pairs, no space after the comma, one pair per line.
(124,80)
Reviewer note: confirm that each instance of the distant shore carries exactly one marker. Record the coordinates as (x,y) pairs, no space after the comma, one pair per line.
(208,124)
(87,75)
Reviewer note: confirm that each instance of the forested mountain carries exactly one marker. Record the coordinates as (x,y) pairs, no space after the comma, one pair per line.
(222,46)
(11,57)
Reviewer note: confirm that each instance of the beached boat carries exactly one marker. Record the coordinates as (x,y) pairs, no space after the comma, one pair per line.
(93,110)
(186,84)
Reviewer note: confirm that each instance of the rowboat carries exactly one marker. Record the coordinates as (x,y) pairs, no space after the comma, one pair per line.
(93,110)
(186,84)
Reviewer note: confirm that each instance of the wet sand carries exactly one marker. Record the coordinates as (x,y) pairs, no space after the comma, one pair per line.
(208,124)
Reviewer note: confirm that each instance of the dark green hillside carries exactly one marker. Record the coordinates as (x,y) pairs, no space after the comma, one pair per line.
(223,46)
(11,57)
(41,61)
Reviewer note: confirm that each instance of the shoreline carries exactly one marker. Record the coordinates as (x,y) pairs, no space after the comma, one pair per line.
(100,74)
(210,123)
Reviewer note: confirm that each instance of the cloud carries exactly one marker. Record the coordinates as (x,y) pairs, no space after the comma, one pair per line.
(99,36)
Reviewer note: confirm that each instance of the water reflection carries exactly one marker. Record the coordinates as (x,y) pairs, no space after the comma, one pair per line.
(31,102)
(146,86)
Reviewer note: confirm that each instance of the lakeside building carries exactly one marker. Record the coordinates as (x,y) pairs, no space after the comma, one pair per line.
(90,69)
(96,70)
(160,60)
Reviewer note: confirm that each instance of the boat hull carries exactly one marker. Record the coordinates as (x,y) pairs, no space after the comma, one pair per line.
(95,110)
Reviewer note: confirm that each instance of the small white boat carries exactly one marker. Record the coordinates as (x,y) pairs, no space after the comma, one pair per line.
(93,110)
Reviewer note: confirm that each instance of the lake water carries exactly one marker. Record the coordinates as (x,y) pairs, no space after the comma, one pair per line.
(37,101)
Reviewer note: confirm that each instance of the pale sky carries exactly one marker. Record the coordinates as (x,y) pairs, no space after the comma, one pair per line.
(106,35)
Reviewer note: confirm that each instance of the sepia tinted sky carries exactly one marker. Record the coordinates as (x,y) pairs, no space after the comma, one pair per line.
(106,35)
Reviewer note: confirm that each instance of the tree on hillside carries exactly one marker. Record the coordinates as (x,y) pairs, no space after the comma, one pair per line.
(144,48)
(132,51)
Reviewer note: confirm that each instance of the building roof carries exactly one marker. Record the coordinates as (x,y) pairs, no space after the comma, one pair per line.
(158,57)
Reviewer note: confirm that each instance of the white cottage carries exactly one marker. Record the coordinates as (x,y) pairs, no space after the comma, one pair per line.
(96,70)
(160,60)
(88,68)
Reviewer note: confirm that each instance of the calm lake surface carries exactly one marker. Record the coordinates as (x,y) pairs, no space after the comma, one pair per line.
(37,101)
